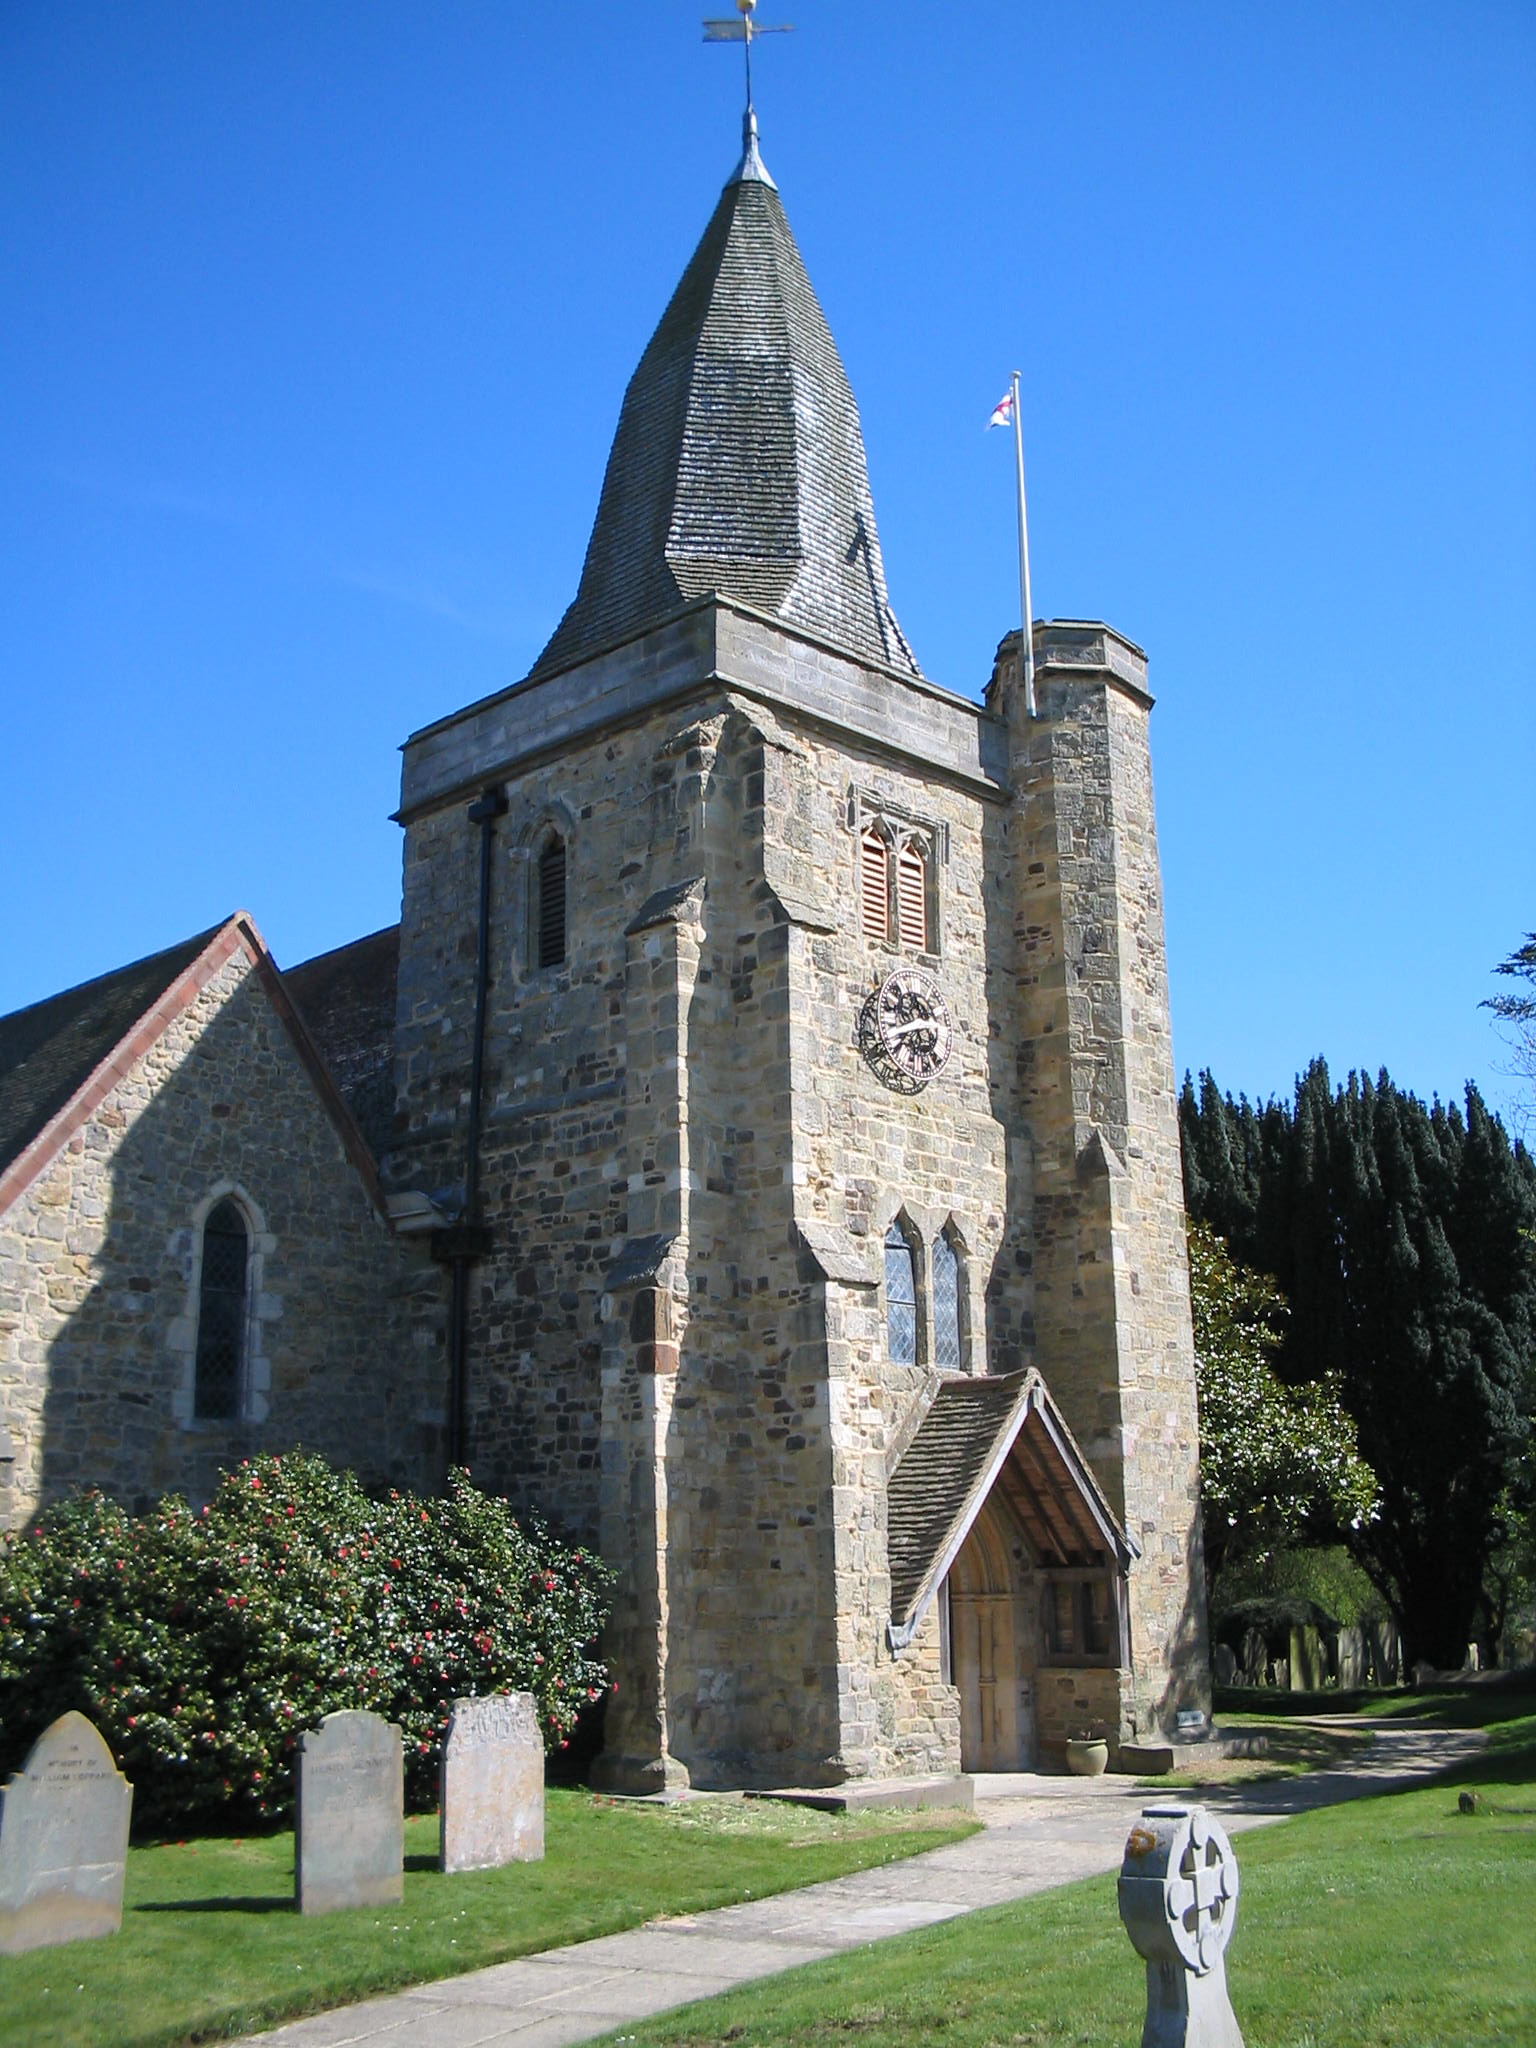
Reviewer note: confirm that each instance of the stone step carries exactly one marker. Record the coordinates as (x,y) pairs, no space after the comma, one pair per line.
(862,1793)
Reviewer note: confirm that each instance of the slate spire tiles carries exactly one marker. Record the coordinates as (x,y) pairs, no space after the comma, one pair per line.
(738,465)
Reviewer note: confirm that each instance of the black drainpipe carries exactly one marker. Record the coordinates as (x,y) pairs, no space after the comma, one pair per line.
(471,1240)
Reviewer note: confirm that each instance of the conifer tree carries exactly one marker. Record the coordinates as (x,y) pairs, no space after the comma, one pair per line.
(1402,1237)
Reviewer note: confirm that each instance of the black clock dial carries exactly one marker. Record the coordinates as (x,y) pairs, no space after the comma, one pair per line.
(906,1031)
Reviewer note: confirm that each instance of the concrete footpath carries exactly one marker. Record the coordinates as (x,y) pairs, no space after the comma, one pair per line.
(1039,1832)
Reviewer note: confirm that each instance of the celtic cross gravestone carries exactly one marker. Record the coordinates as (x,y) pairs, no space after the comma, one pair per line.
(1178,1899)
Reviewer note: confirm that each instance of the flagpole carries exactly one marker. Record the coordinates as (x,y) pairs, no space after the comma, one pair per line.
(1027,634)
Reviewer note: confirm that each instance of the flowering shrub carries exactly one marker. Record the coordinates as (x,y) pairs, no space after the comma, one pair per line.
(204,1644)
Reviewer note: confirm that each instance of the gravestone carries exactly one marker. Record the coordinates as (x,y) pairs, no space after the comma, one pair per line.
(1224,1664)
(493,1783)
(1307,1663)
(1178,1898)
(1352,1658)
(1384,1651)
(63,1840)
(349,1846)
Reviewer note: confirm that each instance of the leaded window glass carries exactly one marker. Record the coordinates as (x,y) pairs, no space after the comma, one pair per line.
(900,1299)
(221,1315)
(946,1306)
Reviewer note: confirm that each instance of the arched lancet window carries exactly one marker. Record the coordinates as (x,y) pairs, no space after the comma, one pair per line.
(219,1385)
(548,920)
(948,1350)
(912,895)
(874,884)
(900,1299)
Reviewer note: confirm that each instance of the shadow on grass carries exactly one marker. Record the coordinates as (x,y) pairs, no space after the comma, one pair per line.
(423,1861)
(230,1905)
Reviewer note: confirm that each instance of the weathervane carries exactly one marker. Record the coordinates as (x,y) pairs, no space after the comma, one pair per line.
(743,31)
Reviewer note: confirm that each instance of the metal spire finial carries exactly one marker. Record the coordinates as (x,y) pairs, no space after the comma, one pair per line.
(742,31)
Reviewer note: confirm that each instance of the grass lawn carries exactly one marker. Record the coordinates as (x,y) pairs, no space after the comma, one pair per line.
(1479,1703)
(211,1944)
(1395,1922)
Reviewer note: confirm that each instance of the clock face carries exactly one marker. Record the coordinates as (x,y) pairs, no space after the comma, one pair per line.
(906,1030)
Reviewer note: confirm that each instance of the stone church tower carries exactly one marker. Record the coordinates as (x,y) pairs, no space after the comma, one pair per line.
(783,1069)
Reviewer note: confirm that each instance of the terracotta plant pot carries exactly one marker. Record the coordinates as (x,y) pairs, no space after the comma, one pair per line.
(1088,1758)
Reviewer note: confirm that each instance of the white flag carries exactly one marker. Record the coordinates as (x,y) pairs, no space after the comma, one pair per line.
(1002,412)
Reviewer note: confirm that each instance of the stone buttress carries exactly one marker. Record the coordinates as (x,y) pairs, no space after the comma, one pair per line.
(1105,1220)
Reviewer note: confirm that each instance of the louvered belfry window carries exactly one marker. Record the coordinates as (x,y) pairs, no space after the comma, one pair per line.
(549,921)
(900,1299)
(912,896)
(874,885)
(221,1316)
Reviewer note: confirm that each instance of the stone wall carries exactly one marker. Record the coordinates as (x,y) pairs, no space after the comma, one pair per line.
(1104,1228)
(99,1261)
(677,1337)
(865,1156)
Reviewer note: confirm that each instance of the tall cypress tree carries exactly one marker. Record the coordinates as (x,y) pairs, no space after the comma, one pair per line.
(1404,1238)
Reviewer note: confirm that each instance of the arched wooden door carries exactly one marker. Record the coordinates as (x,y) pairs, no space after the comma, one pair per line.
(992,1635)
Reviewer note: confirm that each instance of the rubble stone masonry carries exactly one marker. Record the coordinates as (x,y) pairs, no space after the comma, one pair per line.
(99,1268)
(677,1336)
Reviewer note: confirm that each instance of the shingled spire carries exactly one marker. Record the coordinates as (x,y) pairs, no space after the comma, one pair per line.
(738,465)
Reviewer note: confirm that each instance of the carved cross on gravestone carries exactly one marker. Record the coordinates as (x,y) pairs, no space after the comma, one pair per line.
(1178,1898)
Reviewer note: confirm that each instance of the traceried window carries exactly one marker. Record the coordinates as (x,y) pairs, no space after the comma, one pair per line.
(947,1347)
(219,1382)
(548,920)
(912,895)
(874,884)
(900,1299)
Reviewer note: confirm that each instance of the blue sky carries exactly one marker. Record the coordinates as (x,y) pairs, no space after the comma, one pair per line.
(317,319)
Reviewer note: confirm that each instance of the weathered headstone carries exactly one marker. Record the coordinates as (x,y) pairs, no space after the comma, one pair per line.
(1307,1666)
(493,1783)
(1224,1664)
(1255,1657)
(63,1840)
(1178,1899)
(1384,1651)
(1352,1658)
(350,1841)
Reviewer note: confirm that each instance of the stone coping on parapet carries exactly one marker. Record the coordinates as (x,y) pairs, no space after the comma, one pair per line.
(720,644)
(1073,646)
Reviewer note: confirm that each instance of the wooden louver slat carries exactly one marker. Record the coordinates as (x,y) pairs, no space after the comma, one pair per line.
(552,904)
(874,886)
(912,897)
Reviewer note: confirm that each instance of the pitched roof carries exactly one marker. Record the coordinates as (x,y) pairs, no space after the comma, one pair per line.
(50,1049)
(61,1058)
(978,1433)
(347,999)
(738,465)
